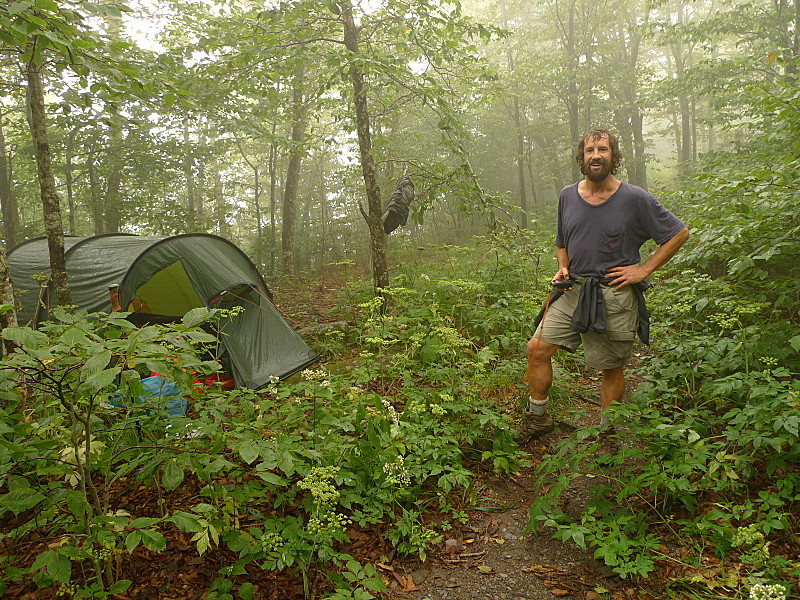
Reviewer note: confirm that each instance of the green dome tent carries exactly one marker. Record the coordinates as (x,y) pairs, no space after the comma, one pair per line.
(170,276)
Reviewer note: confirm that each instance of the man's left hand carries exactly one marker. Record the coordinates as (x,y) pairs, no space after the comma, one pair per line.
(627,275)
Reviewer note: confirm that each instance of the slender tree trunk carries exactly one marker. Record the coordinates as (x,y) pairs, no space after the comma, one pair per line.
(53,223)
(188,173)
(380,269)
(95,194)
(68,180)
(112,199)
(292,184)
(520,135)
(9,318)
(8,201)
(259,224)
(273,200)
(219,205)
(200,196)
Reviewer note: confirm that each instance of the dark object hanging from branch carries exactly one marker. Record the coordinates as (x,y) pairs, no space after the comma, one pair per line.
(397,210)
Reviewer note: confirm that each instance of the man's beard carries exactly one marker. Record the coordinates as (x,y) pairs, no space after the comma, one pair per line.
(596,176)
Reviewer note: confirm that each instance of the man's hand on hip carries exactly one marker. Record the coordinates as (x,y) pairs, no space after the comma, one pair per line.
(627,275)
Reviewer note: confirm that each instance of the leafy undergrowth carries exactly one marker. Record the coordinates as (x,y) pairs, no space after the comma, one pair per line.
(313,486)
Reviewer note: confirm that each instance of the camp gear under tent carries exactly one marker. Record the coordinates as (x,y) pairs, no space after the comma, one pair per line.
(169,276)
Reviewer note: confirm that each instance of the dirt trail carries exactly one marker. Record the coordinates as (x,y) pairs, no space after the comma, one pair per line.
(494,559)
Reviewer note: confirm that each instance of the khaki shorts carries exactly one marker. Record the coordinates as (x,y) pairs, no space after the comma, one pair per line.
(602,350)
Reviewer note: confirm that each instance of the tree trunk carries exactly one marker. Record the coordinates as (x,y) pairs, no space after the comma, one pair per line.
(380,270)
(220,206)
(273,199)
(289,214)
(9,318)
(112,198)
(520,134)
(68,180)
(188,173)
(94,190)
(53,223)
(8,201)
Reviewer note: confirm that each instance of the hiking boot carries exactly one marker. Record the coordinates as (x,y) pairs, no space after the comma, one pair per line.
(533,426)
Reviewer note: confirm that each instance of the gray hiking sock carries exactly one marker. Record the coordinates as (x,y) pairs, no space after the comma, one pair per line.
(537,408)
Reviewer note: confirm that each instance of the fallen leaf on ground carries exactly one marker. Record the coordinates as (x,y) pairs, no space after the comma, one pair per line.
(559,592)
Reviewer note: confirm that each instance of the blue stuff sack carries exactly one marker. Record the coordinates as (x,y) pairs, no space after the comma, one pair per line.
(159,391)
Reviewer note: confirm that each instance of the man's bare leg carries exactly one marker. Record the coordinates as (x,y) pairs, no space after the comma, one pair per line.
(535,420)
(540,368)
(612,389)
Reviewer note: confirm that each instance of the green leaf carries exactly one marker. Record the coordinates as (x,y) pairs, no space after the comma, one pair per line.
(248,453)
(18,7)
(172,475)
(103,379)
(77,503)
(98,362)
(24,336)
(286,463)
(272,478)
(247,591)
(186,522)
(60,567)
(143,522)
(153,540)
(795,343)
(132,540)
(57,565)
(120,586)
(47,5)
(195,317)
(20,500)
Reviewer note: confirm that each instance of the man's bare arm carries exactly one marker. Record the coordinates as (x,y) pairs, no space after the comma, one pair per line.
(632,274)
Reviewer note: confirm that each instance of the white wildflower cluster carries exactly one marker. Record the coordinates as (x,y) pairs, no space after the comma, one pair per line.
(397,472)
(314,375)
(769,361)
(437,409)
(318,482)
(391,412)
(747,538)
(330,523)
(451,338)
(271,541)
(272,387)
(751,542)
(765,591)
(415,407)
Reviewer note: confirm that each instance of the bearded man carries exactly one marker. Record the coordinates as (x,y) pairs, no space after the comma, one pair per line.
(602,224)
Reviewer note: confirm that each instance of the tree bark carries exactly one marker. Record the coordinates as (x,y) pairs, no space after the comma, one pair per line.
(8,201)
(380,270)
(68,181)
(53,222)
(94,192)
(292,184)
(9,318)
(188,172)
(112,198)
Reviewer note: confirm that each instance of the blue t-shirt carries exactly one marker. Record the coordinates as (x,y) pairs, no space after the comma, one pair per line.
(601,236)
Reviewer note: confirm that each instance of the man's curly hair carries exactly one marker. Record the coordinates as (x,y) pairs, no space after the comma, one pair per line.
(596,134)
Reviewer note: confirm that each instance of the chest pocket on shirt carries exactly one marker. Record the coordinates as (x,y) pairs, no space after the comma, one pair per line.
(611,242)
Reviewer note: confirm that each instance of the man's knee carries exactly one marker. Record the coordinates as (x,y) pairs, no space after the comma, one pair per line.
(539,350)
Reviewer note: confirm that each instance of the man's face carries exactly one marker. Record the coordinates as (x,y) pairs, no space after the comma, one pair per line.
(597,155)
